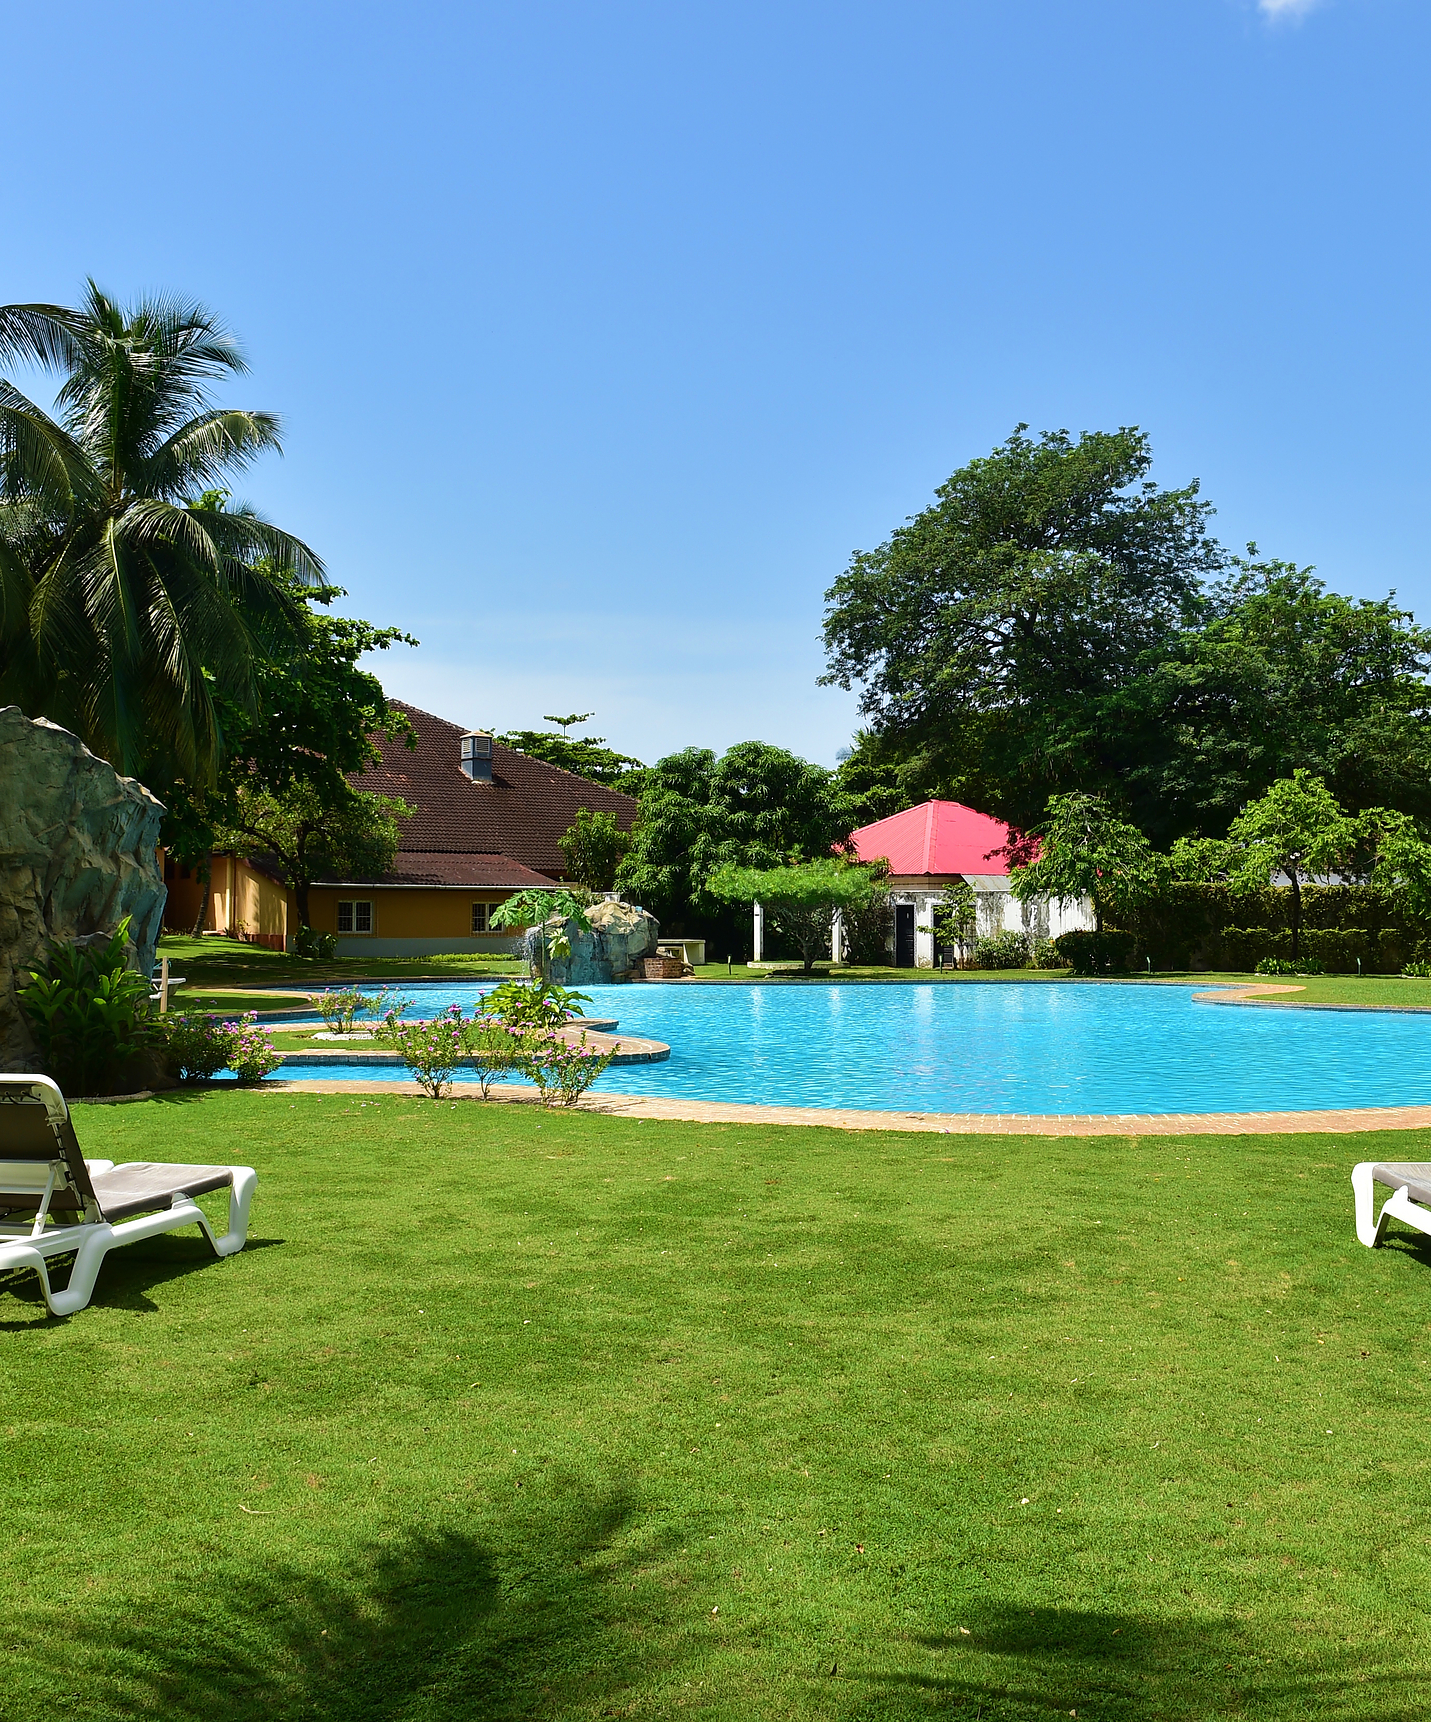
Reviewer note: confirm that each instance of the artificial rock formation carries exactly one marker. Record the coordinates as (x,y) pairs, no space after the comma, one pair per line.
(78,852)
(620,936)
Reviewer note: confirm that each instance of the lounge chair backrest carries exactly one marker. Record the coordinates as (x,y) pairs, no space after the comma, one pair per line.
(40,1155)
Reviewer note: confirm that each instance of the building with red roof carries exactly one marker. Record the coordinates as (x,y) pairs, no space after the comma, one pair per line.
(931,846)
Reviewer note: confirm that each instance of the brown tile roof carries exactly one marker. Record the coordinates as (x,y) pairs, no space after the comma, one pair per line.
(522,814)
(476,872)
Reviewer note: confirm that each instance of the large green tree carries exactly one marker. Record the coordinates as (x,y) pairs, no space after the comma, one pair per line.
(1081,848)
(128,602)
(753,806)
(587,756)
(1282,676)
(988,633)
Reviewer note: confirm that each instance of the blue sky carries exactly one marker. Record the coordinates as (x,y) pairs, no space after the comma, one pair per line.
(604,333)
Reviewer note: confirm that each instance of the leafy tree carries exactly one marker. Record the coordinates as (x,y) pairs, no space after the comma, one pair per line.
(1081,848)
(1401,853)
(318,719)
(1283,675)
(988,632)
(955,919)
(1298,828)
(593,848)
(127,608)
(586,756)
(801,899)
(313,832)
(755,806)
(879,780)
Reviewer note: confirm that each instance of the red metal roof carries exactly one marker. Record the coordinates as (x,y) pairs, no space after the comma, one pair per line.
(939,837)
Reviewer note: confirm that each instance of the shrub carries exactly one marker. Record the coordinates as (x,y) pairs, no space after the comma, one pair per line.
(338,1006)
(432,1048)
(308,943)
(1003,951)
(1044,954)
(1087,953)
(562,1070)
(1275,966)
(89,1012)
(1417,971)
(196,1048)
(251,1053)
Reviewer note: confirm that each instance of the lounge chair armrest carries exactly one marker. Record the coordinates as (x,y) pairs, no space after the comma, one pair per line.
(99,1166)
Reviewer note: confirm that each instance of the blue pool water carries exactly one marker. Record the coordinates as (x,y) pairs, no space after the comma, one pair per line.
(1030,1048)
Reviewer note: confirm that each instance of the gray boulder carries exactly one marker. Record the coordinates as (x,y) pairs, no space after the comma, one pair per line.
(78,852)
(620,936)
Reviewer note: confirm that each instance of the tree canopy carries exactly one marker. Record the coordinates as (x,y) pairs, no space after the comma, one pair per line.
(1083,849)
(754,806)
(130,597)
(586,756)
(801,899)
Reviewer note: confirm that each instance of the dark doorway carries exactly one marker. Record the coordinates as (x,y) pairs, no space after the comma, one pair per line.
(904,935)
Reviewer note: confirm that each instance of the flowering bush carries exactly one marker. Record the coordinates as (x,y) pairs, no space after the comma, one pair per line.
(432,1048)
(251,1053)
(197,1047)
(562,1070)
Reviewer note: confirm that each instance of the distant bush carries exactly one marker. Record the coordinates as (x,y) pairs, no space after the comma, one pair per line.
(1275,966)
(195,1048)
(1044,954)
(251,1052)
(1002,951)
(1087,953)
(308,943)
(1417,971)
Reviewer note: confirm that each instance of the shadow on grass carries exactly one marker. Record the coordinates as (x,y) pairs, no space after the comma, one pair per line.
(430,1626)
(127,1276)
(1021,1664)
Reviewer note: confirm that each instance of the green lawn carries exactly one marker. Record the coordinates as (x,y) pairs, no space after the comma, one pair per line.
(224,963)
(512,1415)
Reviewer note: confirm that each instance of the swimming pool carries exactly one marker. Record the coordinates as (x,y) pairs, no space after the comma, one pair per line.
(1012,1047)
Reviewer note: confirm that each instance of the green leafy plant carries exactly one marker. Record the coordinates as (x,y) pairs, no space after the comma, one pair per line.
(338,1007)
(1086,953)
(537,1003)
(251,1053)
(1275,966)
(1081,848)
(955,919)
(313,945)
(593,848)
(89,1013)
(1002,951)
(432,1048)
(545,914)
(1417,971)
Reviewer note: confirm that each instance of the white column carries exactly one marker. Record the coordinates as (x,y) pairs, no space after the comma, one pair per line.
(837,938)
(924,932)
(757,937)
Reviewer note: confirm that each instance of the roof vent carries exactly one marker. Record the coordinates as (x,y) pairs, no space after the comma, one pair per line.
(477,755)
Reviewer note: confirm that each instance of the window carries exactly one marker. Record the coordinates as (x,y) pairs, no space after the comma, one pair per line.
(479,917)
(355,917)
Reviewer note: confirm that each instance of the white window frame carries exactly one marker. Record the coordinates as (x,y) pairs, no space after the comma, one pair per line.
(482,917)
(359,909)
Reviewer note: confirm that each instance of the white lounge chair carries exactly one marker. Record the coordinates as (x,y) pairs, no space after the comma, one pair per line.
(1410,1200)
(53,1201)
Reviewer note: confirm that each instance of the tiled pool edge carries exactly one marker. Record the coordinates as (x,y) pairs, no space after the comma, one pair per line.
(641,1106)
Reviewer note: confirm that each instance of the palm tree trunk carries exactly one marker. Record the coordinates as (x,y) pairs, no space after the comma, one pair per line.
(203,913)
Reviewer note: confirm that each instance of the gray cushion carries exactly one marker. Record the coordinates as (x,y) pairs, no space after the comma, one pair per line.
(1414,1174)
(141,1186)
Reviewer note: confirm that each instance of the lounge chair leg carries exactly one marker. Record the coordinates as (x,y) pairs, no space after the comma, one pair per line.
(240,1196)
(83,1274)
(1368,1226)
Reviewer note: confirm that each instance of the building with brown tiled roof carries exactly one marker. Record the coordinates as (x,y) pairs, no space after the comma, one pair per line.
(487,822)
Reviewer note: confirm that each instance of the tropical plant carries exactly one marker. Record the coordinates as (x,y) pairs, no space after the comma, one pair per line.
(431,1048)
(314,945)
(89,1012)
(545,914)
(800,899)
(593,848)
(537,1003)
(129,591)
(1081,848)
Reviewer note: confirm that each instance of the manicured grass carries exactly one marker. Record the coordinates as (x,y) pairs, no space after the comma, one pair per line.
(505,1414)
(216,962)
(208,999)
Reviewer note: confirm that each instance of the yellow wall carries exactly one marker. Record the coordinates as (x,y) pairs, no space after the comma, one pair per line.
(245,902)
(405,912)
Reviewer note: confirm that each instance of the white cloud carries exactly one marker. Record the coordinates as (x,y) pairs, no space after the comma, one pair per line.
(1286,8)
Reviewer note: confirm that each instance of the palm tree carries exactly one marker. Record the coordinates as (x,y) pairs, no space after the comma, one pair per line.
(131,596)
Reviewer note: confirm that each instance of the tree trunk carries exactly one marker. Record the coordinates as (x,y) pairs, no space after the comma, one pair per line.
(1097,913)
(1296,912)
(300,901)
(203,913)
